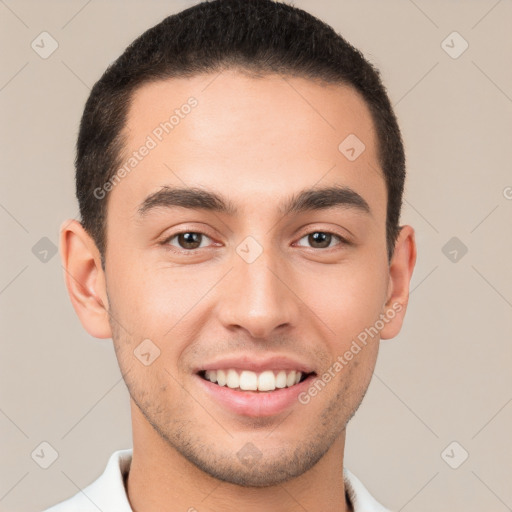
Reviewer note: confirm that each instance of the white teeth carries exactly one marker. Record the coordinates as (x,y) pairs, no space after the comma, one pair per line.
(281,379)
(266,381)
(246,380)
(290,378)
(221,377)
(232,379)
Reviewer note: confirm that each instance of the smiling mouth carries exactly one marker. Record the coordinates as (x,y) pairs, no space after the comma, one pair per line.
(249,381)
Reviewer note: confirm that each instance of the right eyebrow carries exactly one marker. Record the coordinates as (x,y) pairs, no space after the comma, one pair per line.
(193,198)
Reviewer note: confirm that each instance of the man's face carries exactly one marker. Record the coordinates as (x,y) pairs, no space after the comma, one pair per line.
(254,286)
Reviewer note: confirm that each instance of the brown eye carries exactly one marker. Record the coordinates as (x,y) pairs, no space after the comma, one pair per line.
(321,239)
(189,240)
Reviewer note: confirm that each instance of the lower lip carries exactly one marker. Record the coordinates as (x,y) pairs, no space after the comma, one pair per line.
(255,403)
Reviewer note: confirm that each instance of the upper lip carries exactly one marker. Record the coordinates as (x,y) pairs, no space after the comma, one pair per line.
(256,364)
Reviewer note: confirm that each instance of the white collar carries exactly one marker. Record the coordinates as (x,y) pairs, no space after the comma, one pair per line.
(108,492)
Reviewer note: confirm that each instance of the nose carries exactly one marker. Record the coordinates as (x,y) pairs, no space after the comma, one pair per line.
(258,297)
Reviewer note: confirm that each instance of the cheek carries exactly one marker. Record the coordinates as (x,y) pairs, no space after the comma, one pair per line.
(150,300)
(348,298)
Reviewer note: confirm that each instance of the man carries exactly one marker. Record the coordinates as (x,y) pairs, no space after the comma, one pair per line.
(239,172)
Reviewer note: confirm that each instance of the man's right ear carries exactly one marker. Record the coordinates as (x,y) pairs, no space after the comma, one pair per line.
(84,278)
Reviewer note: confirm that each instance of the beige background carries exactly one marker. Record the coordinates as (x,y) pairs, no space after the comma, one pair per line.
(447,376)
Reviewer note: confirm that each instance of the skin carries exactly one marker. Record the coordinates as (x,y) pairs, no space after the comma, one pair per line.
(256,141)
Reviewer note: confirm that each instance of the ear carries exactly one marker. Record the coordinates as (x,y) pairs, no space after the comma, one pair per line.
(84,278)
(400,272)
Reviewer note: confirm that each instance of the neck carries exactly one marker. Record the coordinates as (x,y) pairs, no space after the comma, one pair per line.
(161,479)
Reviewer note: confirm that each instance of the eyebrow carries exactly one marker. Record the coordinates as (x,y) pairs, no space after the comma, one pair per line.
(306,200)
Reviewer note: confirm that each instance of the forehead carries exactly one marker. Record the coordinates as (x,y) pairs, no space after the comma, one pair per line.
(261,137)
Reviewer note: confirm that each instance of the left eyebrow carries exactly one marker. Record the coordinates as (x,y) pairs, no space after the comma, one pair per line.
(328,197)
(306,200)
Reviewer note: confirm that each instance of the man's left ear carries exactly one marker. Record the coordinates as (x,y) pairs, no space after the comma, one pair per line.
(400,272)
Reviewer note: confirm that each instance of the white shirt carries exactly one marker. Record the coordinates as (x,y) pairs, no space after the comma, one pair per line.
(108,492)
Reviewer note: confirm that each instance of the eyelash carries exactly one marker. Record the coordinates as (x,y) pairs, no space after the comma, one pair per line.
(169,247)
